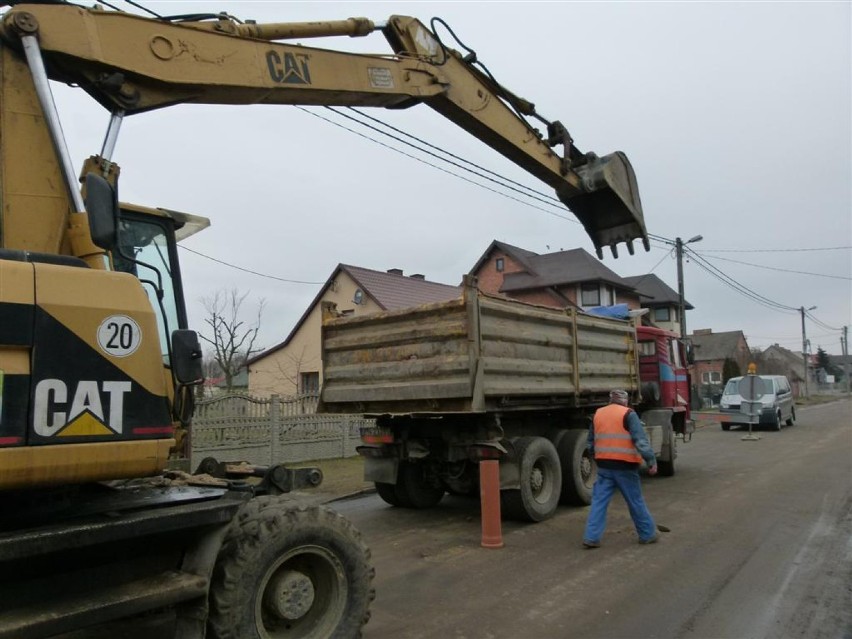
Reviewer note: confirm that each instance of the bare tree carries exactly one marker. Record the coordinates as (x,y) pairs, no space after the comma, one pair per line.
(232,339)
(296,363)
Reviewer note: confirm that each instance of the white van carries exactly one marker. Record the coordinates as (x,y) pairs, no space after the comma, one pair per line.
(777,403)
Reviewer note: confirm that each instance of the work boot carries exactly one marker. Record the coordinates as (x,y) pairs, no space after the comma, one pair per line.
(588,545)
(652,540)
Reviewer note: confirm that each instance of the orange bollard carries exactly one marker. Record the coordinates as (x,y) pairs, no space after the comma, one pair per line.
(489,493)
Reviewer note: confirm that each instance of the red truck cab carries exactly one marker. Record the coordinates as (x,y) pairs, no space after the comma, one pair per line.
(663,373)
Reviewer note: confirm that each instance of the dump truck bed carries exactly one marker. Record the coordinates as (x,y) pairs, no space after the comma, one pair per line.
(477,353)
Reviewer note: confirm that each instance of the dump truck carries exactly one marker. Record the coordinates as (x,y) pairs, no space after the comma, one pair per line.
(100,519)
(486,377)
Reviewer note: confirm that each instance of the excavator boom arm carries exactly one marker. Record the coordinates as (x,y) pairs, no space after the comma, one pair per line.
(131,64)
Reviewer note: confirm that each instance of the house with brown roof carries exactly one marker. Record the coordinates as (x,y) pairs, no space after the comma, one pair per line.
(662,301)
(294,366)
(710,350)
(777,360)
(561,279)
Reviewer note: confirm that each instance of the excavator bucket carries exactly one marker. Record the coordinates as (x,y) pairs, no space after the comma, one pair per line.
(609,207)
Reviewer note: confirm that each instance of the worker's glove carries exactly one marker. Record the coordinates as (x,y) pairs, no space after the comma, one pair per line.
(652,470)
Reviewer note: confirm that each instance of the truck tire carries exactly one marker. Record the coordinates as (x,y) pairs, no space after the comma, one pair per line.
(286,570)
(666,468)
(579,470)
(388,493)
(413,489)
(541,481)
(792,420)
(726,426)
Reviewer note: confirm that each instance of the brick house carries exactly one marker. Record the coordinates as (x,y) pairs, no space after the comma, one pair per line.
(294,366)
(561,279)
(777,360)
(709,353)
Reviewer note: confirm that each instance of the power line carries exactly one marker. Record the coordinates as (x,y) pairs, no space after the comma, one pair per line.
(435,166)
(536,193)
(780,250)
(820,323)
(246,270)
(737,286)
(774,268)
(505,182)
(501,181)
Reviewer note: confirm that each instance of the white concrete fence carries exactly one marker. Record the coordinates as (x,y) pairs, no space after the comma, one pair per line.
(271,430)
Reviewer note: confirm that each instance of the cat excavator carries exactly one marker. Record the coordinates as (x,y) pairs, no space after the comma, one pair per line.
(99,519)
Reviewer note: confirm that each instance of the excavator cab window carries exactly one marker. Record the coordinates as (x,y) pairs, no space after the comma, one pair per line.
(147,250)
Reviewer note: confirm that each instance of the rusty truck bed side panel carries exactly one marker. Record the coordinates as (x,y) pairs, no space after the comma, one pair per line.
(477,353)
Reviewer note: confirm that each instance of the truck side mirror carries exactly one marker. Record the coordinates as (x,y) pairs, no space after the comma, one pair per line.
(102,207)
(186,357)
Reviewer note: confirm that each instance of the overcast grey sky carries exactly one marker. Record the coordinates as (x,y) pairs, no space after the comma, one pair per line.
(735,115)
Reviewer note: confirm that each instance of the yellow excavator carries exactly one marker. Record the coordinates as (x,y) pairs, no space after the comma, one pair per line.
(97,363)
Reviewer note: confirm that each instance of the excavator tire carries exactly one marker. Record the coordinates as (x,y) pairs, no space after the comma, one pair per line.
(292,571)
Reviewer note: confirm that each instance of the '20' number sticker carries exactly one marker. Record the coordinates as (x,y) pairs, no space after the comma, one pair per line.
(119,335)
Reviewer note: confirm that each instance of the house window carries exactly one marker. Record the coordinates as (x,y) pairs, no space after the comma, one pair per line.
(308,383)
(499,265)
(662,314)
(608,298)
(358,298)
(711,377)
(590,295)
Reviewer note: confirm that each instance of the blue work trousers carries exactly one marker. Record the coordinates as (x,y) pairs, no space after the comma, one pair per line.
(628,484)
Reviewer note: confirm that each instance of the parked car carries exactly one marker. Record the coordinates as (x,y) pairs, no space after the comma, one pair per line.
(777,403)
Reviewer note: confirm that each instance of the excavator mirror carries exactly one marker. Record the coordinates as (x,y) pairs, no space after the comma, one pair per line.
(186,357)
(102,207)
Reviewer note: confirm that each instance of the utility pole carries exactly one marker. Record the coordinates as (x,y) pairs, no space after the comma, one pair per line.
(803,310)
(679,244)
(844,343)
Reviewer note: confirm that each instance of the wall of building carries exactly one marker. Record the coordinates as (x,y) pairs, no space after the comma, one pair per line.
(489,278)
(280,371)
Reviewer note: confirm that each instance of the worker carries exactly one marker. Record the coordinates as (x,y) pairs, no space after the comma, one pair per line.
(618,444)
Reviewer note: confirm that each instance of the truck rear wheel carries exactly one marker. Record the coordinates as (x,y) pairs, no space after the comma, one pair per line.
(541,481)
(579,471)
(289,571)
(413,489)
(388,493)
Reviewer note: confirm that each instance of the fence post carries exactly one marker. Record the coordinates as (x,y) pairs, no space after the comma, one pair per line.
(274,422)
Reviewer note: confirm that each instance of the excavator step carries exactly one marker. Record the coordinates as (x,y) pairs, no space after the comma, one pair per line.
(80,610)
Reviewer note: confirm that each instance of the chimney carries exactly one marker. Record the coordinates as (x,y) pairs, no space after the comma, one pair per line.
(703,331)
(418,276)
(395,271)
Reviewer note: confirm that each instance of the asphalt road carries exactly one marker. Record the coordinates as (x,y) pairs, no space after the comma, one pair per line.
(760,547)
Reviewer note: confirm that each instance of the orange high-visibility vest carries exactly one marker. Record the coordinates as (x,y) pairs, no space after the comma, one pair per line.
(612,441)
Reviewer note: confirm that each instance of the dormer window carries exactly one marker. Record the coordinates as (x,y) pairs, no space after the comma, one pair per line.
(590,294)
